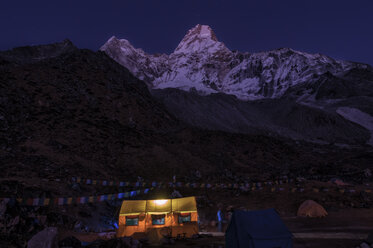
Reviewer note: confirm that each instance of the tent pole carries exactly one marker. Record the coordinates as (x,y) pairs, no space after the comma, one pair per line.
(146,213)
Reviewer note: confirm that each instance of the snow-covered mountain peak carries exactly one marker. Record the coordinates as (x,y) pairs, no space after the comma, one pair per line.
(200,39)
(202,32)
(123,44)
(202,62)
(141,64)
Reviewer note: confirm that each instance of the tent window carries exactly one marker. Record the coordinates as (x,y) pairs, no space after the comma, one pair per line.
(158,219)
(132,220)
(184,218)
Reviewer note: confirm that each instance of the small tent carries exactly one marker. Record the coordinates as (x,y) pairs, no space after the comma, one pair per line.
(312,209)
(176,217)
(257,229)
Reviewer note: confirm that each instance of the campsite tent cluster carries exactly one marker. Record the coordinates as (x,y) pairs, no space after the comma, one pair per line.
(178,217)
(157,218)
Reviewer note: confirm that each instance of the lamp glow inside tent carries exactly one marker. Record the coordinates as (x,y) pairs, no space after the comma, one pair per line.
(175,216)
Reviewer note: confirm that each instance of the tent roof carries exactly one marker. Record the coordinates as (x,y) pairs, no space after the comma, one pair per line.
(179,205)
(261,224)
(133,207)
(186,204)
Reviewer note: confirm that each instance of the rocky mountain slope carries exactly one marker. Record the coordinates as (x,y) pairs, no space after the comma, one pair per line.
(81,114)
(274,117)
(27,54)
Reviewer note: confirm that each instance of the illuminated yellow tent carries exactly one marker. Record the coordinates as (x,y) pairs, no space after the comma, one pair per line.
(174,217)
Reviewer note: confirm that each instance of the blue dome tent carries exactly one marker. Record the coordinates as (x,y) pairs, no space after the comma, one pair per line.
(257,229)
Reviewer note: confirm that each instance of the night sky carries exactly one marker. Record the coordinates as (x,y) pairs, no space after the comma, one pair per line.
(341,29)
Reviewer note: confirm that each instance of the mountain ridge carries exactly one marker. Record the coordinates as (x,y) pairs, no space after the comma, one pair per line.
(200,61)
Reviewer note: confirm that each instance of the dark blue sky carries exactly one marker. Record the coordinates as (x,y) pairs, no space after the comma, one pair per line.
(341,29)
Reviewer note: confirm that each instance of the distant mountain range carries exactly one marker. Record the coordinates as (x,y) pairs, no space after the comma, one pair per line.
(280,92)
(200,61)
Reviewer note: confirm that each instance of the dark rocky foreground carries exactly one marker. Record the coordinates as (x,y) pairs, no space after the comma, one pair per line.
(67,112)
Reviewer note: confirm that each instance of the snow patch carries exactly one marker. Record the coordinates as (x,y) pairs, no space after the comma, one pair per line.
(359,117)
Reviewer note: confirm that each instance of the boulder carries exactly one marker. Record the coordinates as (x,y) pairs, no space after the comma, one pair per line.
(44,239)
(364,245)
(312,209)
(370,238)
(70,242)
(338,182)
(367,173)
(3,207)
